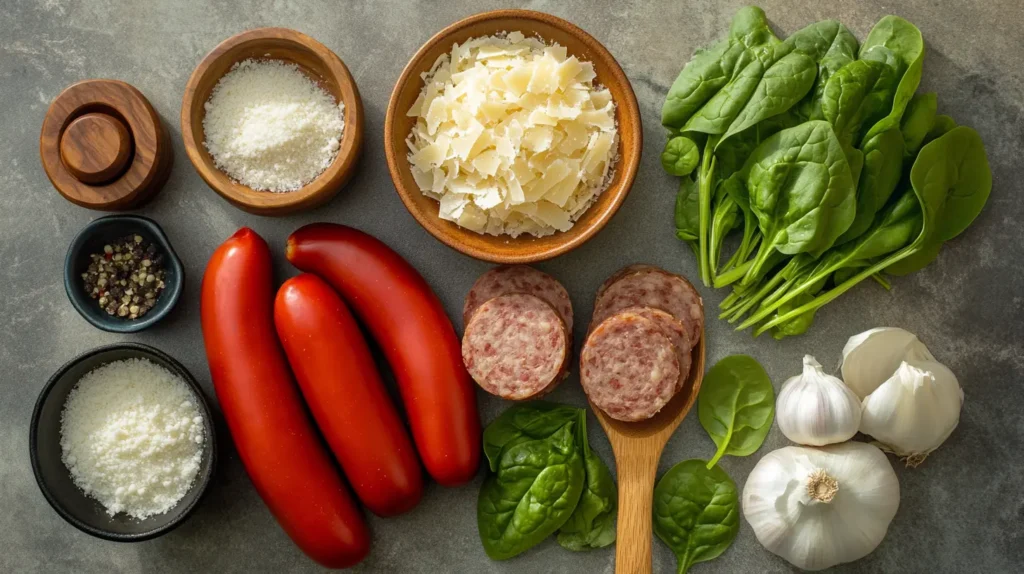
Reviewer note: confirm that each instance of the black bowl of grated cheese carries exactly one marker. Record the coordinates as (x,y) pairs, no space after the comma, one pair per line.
(122,442)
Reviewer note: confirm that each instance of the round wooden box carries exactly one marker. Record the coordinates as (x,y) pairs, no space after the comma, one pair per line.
(103,146)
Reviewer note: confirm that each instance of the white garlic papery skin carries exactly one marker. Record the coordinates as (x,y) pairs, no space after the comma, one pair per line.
(915,411)
(821,506)
(816,409)
(871,357)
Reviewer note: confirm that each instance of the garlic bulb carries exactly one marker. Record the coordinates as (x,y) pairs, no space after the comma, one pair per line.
(817,409)
(915,411)
(871,357)
(818,507)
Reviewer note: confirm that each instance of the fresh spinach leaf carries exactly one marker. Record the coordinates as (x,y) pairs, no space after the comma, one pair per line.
(801,191)
(687,212)
(918,121)
(920,259)
(696,512)
(719,112)
(857,96)
(904,40)
(736,406)
(883,167)
(841,50)
(592,524)
(534,491)
(952,176)
(526,421)
(797,325)
(791,73)
(680,157)
(942,125)
(750,39)
(781,86)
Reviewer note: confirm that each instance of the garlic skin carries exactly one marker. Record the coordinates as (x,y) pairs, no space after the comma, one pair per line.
(818,507)
(915,411)
(871,357)
(815,408)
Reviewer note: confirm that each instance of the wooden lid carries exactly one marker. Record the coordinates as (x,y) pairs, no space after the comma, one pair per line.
(103,146)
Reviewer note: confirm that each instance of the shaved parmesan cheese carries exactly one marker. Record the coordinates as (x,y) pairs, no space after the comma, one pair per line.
(512,136)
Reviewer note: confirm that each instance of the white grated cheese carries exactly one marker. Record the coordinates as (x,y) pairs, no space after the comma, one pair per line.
(512,136)
(132,437)
(271,128)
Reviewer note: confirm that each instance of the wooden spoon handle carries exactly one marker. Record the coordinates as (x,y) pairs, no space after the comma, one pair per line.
(636,495)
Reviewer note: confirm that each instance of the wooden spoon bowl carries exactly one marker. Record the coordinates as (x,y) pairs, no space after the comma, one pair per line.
(318,63)
(637,447)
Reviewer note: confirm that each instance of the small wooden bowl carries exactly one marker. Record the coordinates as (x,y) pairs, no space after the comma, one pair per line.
(525,248)
(322,66)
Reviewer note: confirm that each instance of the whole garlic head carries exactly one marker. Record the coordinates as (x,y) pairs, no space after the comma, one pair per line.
(816,409)
(871,357)
(818,507)
(914,411)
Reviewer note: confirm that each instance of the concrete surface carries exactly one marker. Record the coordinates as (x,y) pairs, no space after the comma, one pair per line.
(962,511)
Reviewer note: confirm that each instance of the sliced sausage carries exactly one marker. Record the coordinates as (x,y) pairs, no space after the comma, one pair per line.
(676,332)
(653,287)
(280,449)
(629,368)
(627,270)
(339,380)
(515,346)
(518,279)
(409,323)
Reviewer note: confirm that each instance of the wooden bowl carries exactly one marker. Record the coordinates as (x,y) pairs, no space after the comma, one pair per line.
(525,248)
(322,66)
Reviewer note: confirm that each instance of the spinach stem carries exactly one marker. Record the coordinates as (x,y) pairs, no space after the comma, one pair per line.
(704,191)
(720,453)
(732,276)
(882,281)
(827,297)
(756,297)
(764,254)
(717,233)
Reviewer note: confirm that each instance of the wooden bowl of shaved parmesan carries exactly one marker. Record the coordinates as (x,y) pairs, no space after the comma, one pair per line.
(513,136)
(272,121)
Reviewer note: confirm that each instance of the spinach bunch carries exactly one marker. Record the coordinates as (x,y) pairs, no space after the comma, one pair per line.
(696,504)
(543,478)
(809,147)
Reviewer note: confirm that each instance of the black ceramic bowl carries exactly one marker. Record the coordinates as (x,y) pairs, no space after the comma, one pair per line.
(54,479)
(91,239)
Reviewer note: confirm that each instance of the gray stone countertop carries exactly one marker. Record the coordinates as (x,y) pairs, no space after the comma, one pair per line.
(962,511)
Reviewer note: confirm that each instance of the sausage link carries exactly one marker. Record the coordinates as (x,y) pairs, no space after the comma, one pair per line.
(340,383)
(406,318)
(275,439)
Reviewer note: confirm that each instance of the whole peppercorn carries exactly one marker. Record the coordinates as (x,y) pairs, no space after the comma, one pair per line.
(126,277)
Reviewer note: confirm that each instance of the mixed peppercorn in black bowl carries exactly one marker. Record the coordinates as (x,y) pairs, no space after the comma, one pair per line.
(121,273)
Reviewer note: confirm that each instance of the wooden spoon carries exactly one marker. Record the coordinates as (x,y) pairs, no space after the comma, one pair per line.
(637,447)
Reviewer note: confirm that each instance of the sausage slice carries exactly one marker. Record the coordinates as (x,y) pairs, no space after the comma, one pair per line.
(653,287)
(515,346)
(518,279)
(629,368)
